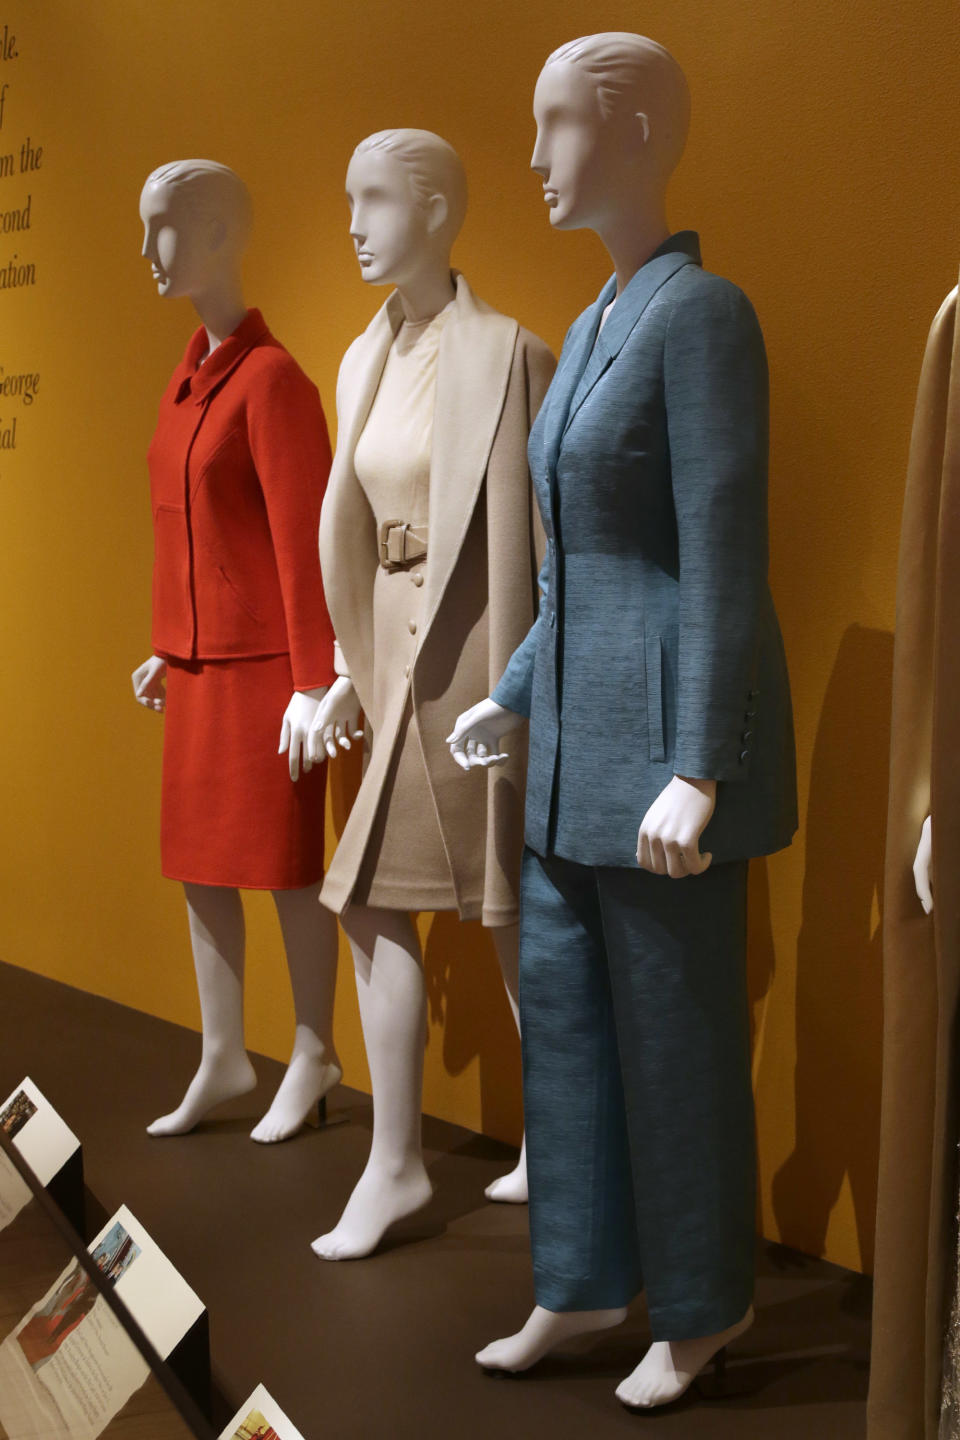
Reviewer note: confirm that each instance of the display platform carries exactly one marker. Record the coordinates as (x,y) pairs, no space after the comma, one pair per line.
(383,1347)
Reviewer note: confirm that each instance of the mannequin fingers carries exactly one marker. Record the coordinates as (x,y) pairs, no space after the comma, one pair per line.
(644,859)
(677,860)
(697,862)
(284,735)
(457,755)
(658,855)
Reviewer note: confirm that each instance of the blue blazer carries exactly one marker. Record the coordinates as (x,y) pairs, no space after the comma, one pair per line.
(657,650)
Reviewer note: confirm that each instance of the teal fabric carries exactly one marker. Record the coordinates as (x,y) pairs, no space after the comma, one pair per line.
(637,1095)
(657,649)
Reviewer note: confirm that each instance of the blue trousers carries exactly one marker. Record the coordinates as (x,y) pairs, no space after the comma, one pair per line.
(637,1093)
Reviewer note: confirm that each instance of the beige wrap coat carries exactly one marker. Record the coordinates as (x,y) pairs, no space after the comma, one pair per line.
(918,1177)
(479,593)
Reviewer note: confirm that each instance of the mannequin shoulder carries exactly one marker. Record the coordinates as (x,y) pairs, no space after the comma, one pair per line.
(271,375)
(534,354)
(699,300)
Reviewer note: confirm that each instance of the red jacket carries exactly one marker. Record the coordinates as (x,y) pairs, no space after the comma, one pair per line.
(238,466)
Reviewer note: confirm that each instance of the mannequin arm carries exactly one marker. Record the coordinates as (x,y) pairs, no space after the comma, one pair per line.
(922,867)
(336,721)
(295,729)
(669,838)
(475,739)
(149,685)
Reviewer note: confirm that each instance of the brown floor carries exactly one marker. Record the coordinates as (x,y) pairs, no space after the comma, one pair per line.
(382,1347)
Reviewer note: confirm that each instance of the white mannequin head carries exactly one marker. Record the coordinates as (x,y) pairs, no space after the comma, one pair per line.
(612,113)
(407,192)
(196,222)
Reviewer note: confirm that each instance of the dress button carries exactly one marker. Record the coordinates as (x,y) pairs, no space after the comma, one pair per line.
(744,755)
(752,694)
(412,626)
(747,735)
(417,578)
(749,714)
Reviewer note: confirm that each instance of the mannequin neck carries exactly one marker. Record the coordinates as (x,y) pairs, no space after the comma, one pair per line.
(220,309)
(424,294)
(634,232)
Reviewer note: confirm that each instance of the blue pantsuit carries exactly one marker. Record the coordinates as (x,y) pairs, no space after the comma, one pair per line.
(637,1091)
(656,652)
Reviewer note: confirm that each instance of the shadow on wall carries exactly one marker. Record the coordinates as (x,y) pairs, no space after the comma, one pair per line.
(465,992)
(838,1007)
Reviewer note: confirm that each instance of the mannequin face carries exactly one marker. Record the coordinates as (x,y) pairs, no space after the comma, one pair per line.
(391,232)
(180,246)
(583,159)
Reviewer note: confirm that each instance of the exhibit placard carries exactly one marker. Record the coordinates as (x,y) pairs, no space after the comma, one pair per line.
(260,1418)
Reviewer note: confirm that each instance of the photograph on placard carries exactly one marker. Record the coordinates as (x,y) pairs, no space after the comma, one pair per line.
(15,1115)
(256,1426)
(260,1418)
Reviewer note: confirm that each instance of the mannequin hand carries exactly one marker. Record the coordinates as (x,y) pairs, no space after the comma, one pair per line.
(921,868)
(148,683)
(475,739)
(337,721)
(296,728)
(669,838)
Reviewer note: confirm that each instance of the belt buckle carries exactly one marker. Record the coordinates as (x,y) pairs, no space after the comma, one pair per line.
(387,560)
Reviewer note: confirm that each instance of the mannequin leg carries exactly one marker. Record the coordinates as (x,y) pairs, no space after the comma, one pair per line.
(393,1012)
(510,1189)
(310,940)
(217,935)
(586,1265)
(677,964)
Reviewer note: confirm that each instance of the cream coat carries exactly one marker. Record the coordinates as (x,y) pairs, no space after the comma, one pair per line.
(919,1129)
(479,593)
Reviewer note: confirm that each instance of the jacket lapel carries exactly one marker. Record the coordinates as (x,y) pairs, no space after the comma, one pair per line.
(623,319)
(348,564)
(574,360)
(473,369)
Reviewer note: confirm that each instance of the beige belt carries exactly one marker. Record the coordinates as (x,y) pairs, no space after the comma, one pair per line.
(401,544)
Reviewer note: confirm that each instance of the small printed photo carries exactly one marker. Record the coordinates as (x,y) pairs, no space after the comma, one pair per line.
(115,1253)
(17,1113)
(45,1332)
(255,1427)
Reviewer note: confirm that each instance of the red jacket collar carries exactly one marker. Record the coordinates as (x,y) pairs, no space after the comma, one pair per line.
(196,379)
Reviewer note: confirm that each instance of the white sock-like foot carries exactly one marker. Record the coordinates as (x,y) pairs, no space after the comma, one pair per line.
(308,1078)
(378,1201)
(511,1189)
(544,1330)
(216,1080)
(670,1367)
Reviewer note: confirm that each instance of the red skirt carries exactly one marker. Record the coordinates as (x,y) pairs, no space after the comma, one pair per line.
(229,812)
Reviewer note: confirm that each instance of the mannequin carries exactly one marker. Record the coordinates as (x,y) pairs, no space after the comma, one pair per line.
(242,643)
(426,546)
(656,636)
(915,1370)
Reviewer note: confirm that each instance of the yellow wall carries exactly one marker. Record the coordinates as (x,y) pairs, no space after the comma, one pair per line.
(823,175)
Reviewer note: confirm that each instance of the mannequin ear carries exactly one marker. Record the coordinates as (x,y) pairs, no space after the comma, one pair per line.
(644,124)
(437,213)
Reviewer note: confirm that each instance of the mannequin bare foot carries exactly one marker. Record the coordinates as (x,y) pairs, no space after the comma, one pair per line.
(670,1367)
(217,1080)
(544,1330)
(308,1078)
(378,1201)
(511,1189)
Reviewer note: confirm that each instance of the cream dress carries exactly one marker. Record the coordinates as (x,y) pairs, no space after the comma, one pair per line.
(392,464)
